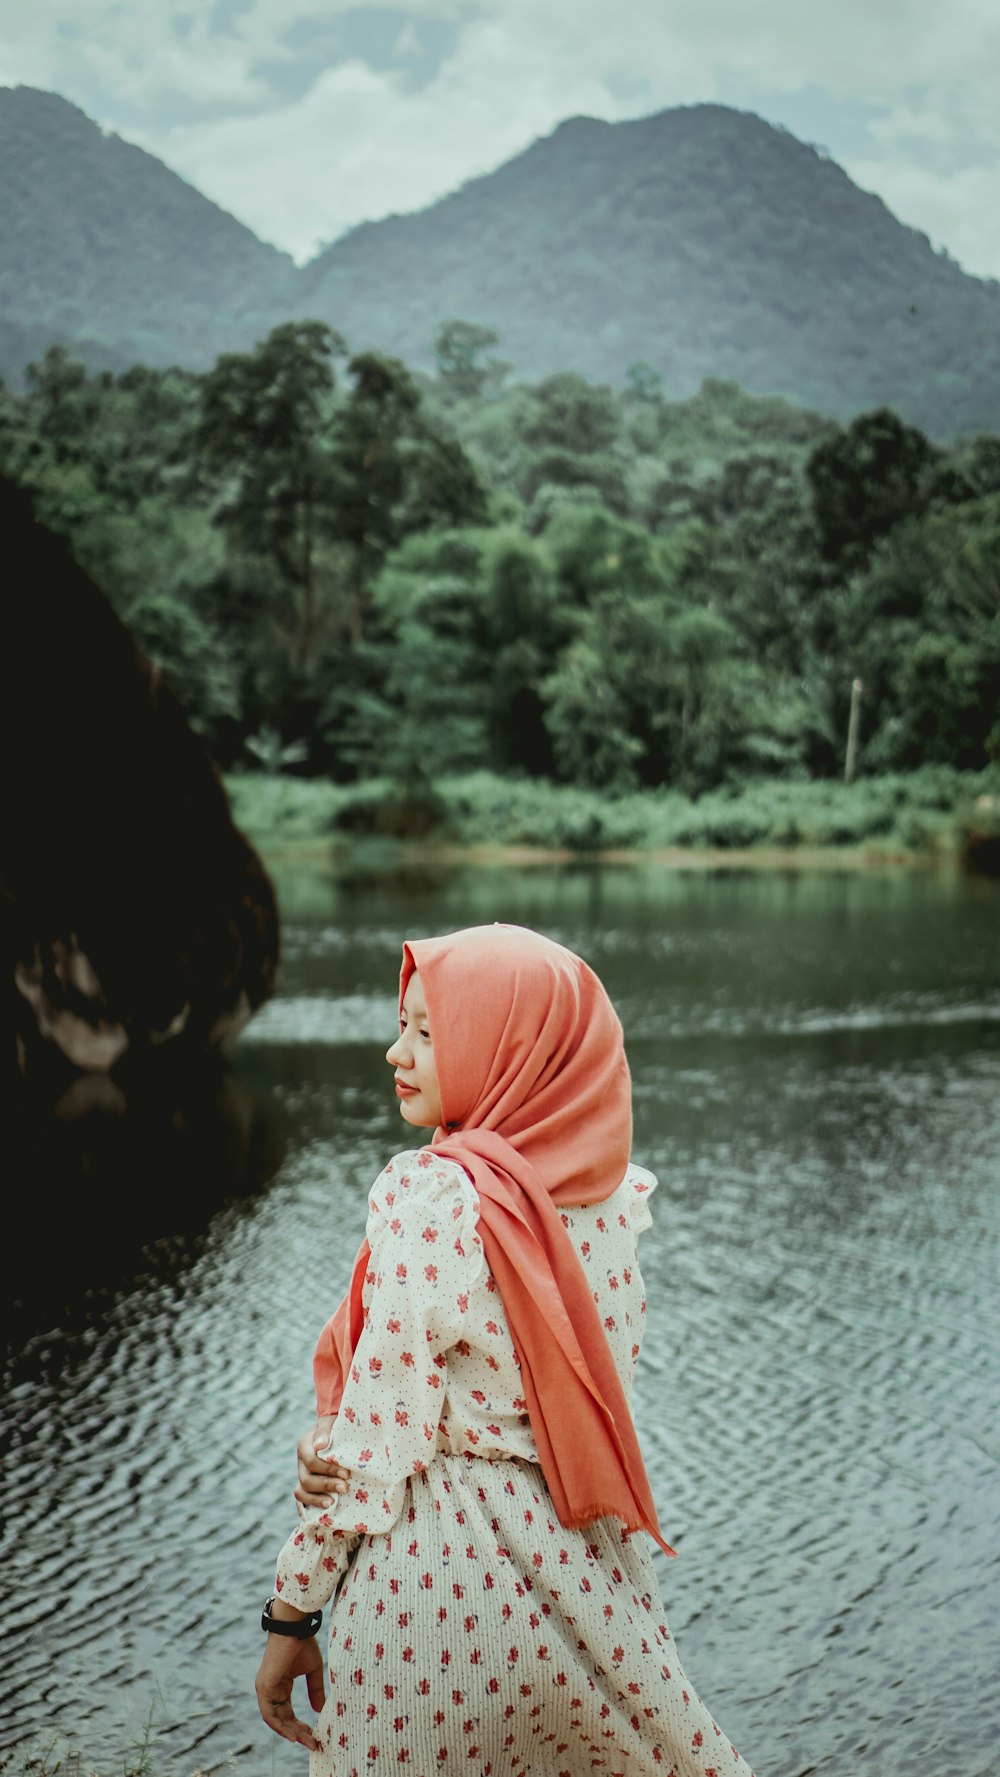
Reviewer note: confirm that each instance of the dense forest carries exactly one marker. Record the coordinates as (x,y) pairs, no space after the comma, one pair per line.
(700,240)
(348,570)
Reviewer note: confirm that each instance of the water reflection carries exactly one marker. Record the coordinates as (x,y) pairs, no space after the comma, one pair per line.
(817,1074)
(119,1181)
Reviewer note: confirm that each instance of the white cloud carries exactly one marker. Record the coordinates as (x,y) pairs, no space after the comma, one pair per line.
(956,210)
(359,145)
(362,143)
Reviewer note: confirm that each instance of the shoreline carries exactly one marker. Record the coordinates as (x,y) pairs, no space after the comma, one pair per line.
(919,821)
(853,858)
(925,820)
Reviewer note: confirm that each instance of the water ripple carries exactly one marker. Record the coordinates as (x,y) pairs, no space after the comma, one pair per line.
(816,1399)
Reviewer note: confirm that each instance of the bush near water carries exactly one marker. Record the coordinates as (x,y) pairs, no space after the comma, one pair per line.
(932,810)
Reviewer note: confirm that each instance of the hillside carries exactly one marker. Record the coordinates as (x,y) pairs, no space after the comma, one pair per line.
(701,240)
(105,248)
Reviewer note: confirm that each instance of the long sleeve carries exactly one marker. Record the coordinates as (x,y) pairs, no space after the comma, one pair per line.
(426,1259)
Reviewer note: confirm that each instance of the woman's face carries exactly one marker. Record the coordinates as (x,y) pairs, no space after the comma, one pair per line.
(412,1058)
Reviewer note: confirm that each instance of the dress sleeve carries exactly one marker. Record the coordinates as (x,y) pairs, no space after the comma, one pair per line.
(426,1257)
(643,1184)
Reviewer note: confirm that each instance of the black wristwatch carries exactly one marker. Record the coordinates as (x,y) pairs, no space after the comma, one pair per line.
(302,1629)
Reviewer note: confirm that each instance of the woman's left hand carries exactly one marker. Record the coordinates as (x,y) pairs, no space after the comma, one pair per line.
(285,1660)
(320,1477)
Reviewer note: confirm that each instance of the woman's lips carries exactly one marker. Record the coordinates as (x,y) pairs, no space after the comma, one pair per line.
(404,1091)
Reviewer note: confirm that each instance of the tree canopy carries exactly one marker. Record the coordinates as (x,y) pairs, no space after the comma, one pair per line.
(346,568)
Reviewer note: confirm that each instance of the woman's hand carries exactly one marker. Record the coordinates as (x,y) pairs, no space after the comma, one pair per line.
(319,1478)
(286,1659)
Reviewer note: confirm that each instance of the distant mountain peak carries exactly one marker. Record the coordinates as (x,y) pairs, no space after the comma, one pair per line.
(700,239)
(110,252)
(580,124)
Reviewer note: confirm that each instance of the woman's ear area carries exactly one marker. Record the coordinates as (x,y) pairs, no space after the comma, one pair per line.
(406,969)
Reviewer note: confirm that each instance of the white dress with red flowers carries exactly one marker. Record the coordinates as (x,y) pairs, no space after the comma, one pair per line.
(471,1632)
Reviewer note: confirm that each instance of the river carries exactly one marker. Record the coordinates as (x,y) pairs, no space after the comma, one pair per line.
(816,1059)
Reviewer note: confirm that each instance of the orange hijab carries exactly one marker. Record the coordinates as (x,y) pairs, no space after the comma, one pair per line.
(536,1094)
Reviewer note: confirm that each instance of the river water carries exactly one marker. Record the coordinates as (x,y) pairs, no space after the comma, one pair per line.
(816,1061)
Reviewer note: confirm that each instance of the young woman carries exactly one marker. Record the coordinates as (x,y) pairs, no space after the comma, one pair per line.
(483,1510)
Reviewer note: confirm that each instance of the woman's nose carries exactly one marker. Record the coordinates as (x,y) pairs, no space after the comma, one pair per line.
(396,1056)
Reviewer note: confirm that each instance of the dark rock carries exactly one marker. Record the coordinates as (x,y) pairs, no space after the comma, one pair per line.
(979,837)
(134,917)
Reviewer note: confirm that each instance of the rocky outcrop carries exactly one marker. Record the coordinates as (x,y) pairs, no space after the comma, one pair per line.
(135,920)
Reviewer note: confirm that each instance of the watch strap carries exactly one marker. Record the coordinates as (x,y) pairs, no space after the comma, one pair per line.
(301,1629)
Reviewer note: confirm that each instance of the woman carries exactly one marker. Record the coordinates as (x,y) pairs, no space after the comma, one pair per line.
(496,1610)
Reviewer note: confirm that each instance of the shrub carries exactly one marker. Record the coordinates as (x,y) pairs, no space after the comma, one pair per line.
(921,811)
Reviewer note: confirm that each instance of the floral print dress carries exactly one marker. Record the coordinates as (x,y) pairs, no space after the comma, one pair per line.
(471,1631)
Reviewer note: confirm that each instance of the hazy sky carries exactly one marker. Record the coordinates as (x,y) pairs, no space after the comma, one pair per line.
(303,117)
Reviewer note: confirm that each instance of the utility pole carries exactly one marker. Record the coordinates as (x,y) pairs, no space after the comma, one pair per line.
(852,732)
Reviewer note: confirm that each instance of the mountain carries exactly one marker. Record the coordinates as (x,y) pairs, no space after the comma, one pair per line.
(701,240)
(106,249)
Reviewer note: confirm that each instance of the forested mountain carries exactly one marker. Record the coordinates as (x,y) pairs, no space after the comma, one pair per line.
(700,240)
(101,246)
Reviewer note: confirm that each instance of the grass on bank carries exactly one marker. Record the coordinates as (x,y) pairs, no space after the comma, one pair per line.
(59,1758)
(59,1761)
(931,811)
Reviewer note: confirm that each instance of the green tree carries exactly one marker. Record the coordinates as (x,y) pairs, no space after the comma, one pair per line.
(643,384)
(414,701)
(599,476)
(587,714)
(458,352)
(196,660)
(396,473)
(523,630)
(463,621)
(627,691)
(65,401)
(570,414)
(922,630)
(265,419)
(865,480)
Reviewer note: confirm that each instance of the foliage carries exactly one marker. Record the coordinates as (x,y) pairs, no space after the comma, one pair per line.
(55,1757)
(277,809)
(357,574)
(921,810)
(864,481)
(458,351)
(924,627)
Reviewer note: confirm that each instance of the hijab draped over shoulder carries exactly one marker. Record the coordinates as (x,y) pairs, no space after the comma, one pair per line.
(537,1107)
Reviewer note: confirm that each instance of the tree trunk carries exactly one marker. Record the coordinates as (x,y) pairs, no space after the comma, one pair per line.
(307,628)
(852,733)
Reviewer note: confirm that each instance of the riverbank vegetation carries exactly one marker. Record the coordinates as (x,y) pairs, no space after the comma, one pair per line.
(930,811)
(551,613)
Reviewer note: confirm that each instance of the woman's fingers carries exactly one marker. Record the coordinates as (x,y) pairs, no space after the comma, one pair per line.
(321,1490)
(312,1451)
(315,1685)
(320,1477)
(276,1709)
(279,1667)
